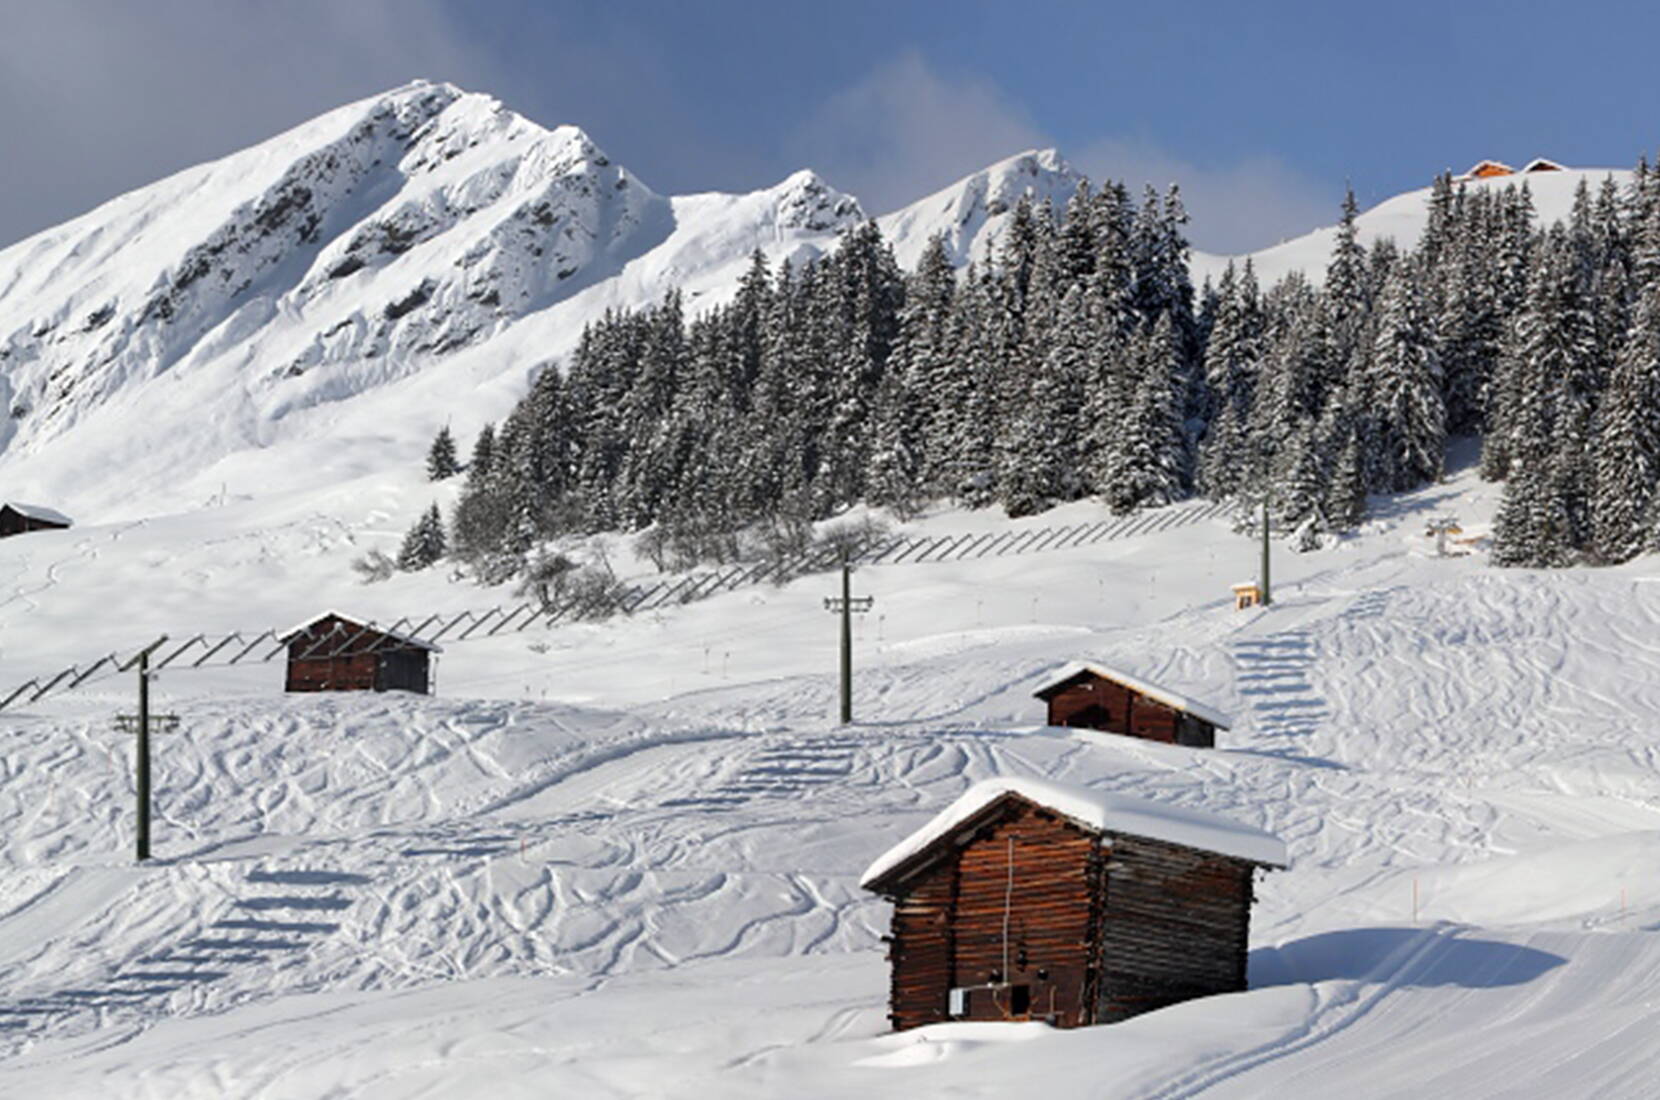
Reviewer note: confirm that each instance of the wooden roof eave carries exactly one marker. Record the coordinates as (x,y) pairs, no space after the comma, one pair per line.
(890,883)
(960,837)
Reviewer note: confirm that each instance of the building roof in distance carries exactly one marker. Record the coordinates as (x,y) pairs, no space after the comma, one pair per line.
(37,511)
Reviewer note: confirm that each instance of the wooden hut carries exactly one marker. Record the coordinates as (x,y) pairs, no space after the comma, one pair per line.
(336,652)
(1488,169)
(1095,696)
(1032,900)
(1540,164)
(17,518)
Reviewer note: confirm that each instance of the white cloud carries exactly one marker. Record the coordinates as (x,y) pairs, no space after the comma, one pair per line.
(1239,207)
(103,97)
(905,130)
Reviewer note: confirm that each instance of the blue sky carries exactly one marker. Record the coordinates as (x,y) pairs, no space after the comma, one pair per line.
(1262,111)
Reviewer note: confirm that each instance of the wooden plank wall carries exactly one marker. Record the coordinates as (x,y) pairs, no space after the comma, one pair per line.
(1051,912)
(1176,926)
(919,948)
(333,674)
(1127,711)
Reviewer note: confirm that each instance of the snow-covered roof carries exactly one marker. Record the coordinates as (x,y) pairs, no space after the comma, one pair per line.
(37,511)
(284,635)
(1492,167)
(1098,811)
(1135,683)
(1541,164)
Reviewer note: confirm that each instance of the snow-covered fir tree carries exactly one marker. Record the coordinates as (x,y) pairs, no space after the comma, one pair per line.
(1071,360)
(441,460)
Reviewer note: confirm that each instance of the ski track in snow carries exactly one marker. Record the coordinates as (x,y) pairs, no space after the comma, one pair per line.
(1412,729)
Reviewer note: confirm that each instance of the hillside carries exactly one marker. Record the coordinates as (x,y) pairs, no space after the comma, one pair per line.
(312,309)
(635,869)
(1402,219)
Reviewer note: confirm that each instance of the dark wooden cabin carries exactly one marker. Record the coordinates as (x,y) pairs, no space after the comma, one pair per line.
(335,652)
(1032,900)
(1096,697)
(20,519)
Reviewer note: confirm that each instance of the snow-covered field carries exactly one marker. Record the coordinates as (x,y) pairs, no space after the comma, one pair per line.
(623,857)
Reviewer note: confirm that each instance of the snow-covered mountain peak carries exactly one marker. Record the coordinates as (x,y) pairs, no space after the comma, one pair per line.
(346,253)
(805,201)
(971,213)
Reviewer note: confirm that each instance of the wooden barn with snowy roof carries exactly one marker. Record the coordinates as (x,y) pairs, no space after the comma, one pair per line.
(1090,695)
(1027,899)
(17,518)
(1487,169)
(335,652)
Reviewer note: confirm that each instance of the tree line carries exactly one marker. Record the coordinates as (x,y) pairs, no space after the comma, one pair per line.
(1079,360)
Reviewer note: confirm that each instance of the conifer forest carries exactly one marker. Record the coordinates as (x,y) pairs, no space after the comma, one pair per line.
(1079,360)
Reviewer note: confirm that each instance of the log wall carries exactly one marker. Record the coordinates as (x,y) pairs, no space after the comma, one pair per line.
(1176,926)
(919,948)
(355,660)
(1092,702)
(1051,909)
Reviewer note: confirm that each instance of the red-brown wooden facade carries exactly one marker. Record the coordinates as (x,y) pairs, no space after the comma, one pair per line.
(1023,914)
(1091,699)
(336,653)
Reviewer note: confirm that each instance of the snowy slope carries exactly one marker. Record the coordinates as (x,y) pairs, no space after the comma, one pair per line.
(624,857)
(972,213)
(320,303)
(1402,219)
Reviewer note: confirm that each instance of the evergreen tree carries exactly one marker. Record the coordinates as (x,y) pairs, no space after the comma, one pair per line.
(484,450)
(1411,419)
(1627,452)
(424,545)
(1346,493)
(1147,469)
(441,462)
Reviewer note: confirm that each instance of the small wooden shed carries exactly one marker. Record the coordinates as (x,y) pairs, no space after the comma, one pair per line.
(336,652)
(1540,164)
(1488,169)
(17,518)
(1098,697)
(1027,899)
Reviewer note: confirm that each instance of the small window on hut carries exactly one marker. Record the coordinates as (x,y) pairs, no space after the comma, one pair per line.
(1020,1002)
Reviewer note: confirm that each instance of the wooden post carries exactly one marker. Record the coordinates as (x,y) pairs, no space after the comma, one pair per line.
(847,644)
(846,605)
(1267,597)
(143,768)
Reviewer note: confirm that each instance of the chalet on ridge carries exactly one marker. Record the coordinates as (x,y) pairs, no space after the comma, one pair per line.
(336,652)
(17,518)
(1488,169)
(1027,899)
(1098,697)
(1491,169)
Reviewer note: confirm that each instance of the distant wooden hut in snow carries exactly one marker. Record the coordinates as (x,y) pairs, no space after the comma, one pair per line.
(1488,169)
(335,652)
(1027,899)
(17,518)
(1540,164)
(1098,697)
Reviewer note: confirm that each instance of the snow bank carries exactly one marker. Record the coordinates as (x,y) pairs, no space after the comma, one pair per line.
(1101,811)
